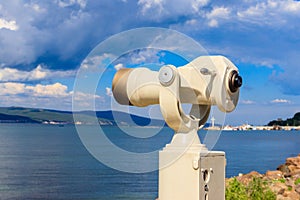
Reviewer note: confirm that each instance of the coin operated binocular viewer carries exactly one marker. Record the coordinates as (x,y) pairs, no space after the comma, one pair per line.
(187,169)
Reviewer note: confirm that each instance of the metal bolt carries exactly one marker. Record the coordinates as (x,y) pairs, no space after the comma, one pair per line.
(166,75)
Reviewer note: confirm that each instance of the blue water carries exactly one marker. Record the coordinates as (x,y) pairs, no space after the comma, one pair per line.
(50,162)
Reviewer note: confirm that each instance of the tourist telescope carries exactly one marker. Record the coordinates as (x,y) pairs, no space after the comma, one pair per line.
(187,169)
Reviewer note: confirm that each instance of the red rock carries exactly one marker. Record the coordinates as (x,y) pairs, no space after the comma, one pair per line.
(295,172)
(293,161)
(245,179)
(292,167)
(291,195)
(274,174)
(278,188)
(280,197)
(254,174)
(284,168)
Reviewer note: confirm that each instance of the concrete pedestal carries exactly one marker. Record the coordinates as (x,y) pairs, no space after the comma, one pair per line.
(190,171)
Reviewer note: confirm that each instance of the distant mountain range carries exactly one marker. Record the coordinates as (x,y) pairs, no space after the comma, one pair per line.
(47,116)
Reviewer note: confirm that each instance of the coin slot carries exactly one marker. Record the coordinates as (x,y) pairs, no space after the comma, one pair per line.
(206,176)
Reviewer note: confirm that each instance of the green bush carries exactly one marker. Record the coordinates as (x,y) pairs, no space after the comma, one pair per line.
(255,190)
(236,191)
(282,180)
(258,190)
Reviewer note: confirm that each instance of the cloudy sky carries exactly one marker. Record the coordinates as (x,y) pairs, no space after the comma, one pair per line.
(43,43)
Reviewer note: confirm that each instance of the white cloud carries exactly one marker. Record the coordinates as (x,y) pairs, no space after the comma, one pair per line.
(54,90)
(144,56)
(159,10)
(281,101)
(37,74)
(10,25)
(191,22)
(213,23)
(36,7)
(291,6)
(86,101)
(45,28)
(11,88)
(218,13)
(118,66)
(39,26)
(197,4)
(97,63)
(80,96)
(147,5)
(141,56)
(108,92)
(274,13)
(66,3)
(55,96)
(247,102)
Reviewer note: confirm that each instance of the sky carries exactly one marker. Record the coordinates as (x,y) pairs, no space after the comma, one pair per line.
(44,43)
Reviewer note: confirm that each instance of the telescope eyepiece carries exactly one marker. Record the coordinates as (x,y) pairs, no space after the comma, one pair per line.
(235,81)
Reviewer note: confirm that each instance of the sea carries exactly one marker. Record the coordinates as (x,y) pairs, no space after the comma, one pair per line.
(51,162)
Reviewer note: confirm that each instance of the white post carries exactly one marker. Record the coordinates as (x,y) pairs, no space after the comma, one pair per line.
(188,171)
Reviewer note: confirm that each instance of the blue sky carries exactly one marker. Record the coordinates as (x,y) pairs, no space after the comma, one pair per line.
(43,44)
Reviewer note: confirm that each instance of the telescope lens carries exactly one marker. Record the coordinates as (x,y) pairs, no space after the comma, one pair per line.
(238,81)
(235,81)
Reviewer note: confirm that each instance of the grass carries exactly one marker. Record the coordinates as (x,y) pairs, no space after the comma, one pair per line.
(255,190)
(281,180)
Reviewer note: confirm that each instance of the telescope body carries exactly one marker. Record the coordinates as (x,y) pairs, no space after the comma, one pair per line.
(187,170)
(206,81)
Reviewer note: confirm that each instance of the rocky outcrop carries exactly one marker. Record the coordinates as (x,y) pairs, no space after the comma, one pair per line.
(291,177)
(291,168)
(284,182)
(247,178)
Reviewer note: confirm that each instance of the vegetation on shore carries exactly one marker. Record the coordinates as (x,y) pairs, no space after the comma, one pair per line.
(294,121)
(281,184)
(256,189)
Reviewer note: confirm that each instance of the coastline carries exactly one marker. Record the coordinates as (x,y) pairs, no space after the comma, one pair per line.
(247,127)
(283,182)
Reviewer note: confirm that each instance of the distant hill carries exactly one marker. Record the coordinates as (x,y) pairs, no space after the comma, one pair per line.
(15,119)
(34,115)
(123,118)
(37,115)
(295,121)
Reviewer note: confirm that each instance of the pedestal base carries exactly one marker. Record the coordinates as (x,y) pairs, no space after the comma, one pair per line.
(193,173)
